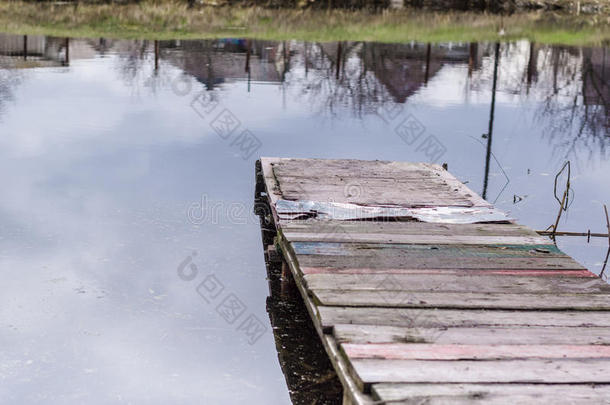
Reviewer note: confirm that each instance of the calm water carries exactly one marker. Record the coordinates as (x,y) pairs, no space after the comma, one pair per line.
(120,173)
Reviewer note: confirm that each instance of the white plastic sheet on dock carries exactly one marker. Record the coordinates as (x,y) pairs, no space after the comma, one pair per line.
(303,209)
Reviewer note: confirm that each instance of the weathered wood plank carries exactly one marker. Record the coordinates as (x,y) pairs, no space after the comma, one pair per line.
(411,251)
(494,394)
(464,300)
(406,228)
(368,272)
(438,262)
(444,318)
(367,192)
(351,169)
(299,167)
(424,351)
(456,283)
(359,182)
(572,371)
(484,335)
(272,187)
(327,235)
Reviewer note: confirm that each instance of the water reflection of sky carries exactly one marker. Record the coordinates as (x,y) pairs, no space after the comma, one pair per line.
(101,159)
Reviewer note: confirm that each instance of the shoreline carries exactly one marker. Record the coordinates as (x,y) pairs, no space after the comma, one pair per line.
(159,21)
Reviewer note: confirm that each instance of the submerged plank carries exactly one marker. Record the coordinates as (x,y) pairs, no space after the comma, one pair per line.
(464,300)
(482,335)
(495,394)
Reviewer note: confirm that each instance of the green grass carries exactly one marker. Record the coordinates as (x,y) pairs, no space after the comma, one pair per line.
(168,20)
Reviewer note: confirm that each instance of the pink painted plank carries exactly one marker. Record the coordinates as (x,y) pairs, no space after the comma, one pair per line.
(562,273)
(422,351)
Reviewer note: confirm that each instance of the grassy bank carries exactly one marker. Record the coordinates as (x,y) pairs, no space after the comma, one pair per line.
(167,20)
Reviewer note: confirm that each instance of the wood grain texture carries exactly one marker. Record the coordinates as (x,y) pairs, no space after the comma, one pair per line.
(414,251)
(456,283)
(313,226)
(332,235)
(571,371)
(479,335)
(462,300)
(372,183)
(423,351)
(446,318)
(494,394)
(368,272)
(438,262)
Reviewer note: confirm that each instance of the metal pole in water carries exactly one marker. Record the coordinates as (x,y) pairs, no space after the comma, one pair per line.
(491,120)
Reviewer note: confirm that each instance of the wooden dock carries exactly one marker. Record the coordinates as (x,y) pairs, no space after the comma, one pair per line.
(423,293)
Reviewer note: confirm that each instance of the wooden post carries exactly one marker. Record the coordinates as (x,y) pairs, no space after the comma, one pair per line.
(347,400)
(472,57)
(25,47)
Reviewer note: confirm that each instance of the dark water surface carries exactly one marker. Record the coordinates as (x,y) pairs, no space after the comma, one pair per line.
(131,262)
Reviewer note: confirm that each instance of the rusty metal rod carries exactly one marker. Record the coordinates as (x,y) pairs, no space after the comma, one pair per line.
(561,233)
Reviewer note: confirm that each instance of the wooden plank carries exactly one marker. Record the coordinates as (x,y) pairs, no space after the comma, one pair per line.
(358,182)
(272,187)
(411,251)
(410,232)
(424,351)
(366,272)
(349,168)
(378,198)
(367,192)
(456,283)
(355,170)
(407,228)
(463,300)
(494,394)
(571,371)
(438,262)
(483,335)
(445,318)
(461,187)
(413,239)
